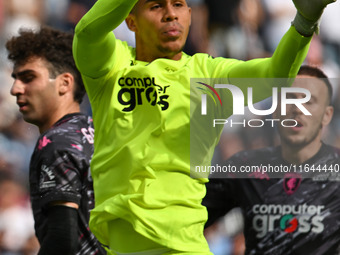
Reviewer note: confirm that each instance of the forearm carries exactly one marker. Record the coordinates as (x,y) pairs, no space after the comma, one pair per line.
(285,62)
(93,35)
(293,47)
(62,232)
(218,200)
(288,56)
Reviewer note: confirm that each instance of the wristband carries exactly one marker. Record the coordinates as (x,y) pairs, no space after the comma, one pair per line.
(304,26)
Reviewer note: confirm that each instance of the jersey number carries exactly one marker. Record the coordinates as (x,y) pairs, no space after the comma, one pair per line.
(89,134)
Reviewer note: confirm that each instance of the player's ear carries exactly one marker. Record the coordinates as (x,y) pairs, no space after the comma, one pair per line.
(65,83)
(327,117)
(130,22)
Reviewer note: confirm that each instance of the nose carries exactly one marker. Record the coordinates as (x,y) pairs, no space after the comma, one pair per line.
(170,13)
(17,88)
(294,110)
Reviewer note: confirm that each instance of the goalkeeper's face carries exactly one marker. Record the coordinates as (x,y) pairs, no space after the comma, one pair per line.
(161,28)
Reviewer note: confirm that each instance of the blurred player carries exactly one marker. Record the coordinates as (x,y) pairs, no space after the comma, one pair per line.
(299,212)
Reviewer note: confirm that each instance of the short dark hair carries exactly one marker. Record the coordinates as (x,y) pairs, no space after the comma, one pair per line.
(317,73)
(53,46)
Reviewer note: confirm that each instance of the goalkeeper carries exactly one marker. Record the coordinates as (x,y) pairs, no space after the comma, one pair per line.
(146,201)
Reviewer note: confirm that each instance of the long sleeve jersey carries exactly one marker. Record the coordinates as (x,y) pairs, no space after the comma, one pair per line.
(142,116)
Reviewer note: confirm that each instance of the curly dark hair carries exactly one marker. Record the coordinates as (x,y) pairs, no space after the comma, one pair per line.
(52,45)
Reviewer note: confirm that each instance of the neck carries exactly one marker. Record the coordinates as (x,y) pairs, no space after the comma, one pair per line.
(57,115)
(148,54)
(298,155)
(141,56)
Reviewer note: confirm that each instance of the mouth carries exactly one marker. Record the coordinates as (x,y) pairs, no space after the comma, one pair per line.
(172,31)
(22,105)
(299,125)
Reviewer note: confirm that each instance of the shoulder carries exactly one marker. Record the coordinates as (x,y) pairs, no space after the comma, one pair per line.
(214,66)
(71,122)
(124,48)
(328,154)
(123,55)
(71,132)
(202,57)
(334,150)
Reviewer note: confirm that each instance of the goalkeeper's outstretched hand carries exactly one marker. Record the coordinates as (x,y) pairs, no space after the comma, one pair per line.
(308,15)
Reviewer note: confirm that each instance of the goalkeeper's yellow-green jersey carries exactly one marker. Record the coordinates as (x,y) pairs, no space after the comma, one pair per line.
(141,112)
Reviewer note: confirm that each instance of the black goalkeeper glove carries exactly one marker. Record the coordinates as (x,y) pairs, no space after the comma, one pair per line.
(307,19)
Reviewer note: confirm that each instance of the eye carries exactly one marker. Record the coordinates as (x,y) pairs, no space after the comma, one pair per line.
(27,78)
(311,101)
(178,4)
(155,6)
(290,96)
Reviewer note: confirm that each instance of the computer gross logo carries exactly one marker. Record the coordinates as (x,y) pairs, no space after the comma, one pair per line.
(288,218)
(137,91)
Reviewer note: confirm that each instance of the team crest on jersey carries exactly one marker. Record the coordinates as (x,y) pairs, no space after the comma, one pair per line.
(291,183)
